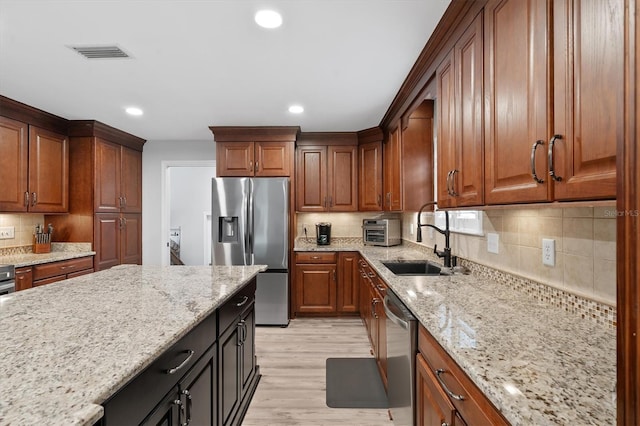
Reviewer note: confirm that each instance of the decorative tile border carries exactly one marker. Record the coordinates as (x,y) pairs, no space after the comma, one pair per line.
(588,309)
(11,251)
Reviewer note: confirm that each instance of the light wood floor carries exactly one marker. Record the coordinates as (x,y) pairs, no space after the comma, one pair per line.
(292,364)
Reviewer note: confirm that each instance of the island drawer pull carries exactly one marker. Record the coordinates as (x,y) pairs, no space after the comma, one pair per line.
(185,362)
(245,299)
(455,396)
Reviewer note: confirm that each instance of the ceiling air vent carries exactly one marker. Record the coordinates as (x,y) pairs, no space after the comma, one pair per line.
(100,52)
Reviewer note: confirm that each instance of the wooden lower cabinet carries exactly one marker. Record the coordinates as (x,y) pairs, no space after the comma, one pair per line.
(433,406)
(315,283)
(117,239)
(24,278)
(47,273)
(432,400)
(348,283)
(372,291)
(326,284)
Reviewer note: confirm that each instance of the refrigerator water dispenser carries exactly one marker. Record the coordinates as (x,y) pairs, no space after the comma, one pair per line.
(228,229)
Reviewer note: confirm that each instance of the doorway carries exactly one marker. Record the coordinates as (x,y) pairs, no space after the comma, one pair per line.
(186,201)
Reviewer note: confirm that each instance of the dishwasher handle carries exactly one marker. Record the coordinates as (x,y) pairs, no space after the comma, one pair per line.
(393,317)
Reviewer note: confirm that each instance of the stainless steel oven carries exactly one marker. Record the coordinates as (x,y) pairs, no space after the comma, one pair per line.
(7,279)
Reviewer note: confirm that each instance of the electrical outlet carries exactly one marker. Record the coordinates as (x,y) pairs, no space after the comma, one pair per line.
(492,243)
(430,232)
(7,232)
(548,252)
(411,229)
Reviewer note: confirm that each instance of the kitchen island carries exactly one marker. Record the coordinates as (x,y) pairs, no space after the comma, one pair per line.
(69,346)
(535,362)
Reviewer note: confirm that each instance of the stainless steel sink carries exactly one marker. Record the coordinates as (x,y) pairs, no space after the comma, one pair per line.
(416,267)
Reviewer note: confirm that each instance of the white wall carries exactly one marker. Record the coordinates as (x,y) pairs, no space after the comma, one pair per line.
(190,198)
(155,157)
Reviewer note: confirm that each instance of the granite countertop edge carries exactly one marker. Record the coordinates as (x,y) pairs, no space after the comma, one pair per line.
(519,381)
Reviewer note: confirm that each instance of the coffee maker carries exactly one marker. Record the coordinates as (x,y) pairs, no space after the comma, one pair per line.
(323,233)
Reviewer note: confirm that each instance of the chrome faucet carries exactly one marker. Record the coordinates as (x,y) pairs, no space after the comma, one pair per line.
(449,260)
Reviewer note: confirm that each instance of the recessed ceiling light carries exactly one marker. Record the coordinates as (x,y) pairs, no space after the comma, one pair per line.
(296,109)
(268,19)
(134,111)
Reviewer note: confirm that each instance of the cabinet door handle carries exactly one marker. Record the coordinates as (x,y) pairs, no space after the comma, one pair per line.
(379,199)
(245,299)
(449,182)
(125,201)
(189,353)
(256,166)
(26,199)
(552,172)
(334,275)
(533,161)
(120,202)
(455,396)
(34,199)
(187,394)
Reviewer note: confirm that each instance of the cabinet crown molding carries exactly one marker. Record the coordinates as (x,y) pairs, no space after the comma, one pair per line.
(373,134)
(327,138)
(255,133)
(27,114)
(93,128)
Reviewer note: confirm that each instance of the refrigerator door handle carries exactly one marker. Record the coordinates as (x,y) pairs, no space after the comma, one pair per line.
(250,231)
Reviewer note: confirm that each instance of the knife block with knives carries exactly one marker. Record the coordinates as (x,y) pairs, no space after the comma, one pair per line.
(42,239)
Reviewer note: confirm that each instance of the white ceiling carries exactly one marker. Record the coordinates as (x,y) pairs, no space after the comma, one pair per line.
(198,63)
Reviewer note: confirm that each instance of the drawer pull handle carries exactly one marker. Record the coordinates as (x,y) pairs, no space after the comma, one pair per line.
(457,397)
(245,299)
(315,257)
(372,274)
(183,363)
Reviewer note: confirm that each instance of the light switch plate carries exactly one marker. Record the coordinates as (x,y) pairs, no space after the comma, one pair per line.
(7,232)
(548,252)
(492,243)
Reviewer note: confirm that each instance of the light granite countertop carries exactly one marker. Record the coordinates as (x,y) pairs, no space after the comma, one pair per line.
(59,251)
(538,364)
(68,346)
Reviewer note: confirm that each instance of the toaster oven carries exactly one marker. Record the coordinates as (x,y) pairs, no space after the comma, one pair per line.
(381,232)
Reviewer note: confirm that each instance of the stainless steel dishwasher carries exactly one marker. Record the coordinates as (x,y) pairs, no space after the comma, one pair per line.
(402,337)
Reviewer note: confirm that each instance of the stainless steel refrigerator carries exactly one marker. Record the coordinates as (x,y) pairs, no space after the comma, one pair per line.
(250,226)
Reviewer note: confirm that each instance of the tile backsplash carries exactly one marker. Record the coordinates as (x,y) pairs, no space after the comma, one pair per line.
(24,226)
(585,243)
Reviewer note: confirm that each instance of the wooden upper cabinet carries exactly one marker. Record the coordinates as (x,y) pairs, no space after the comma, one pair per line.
(342,178)
(14,165)
(370,188)
(417,157)
(234,159)
(34,169)
(445,77)
(48,171)
(107,177)
(311,179)
(517,101)
(461,138)
(370,177)
(273,158)
(392,161)
(254,151)
(588,97)
(131,180)
(327,172)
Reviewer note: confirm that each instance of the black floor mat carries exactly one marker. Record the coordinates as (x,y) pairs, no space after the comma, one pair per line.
(354,383)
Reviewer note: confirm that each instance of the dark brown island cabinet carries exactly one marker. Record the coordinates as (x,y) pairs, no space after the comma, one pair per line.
(207,378)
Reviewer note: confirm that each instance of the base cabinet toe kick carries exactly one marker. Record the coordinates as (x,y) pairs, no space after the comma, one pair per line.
(208,377)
